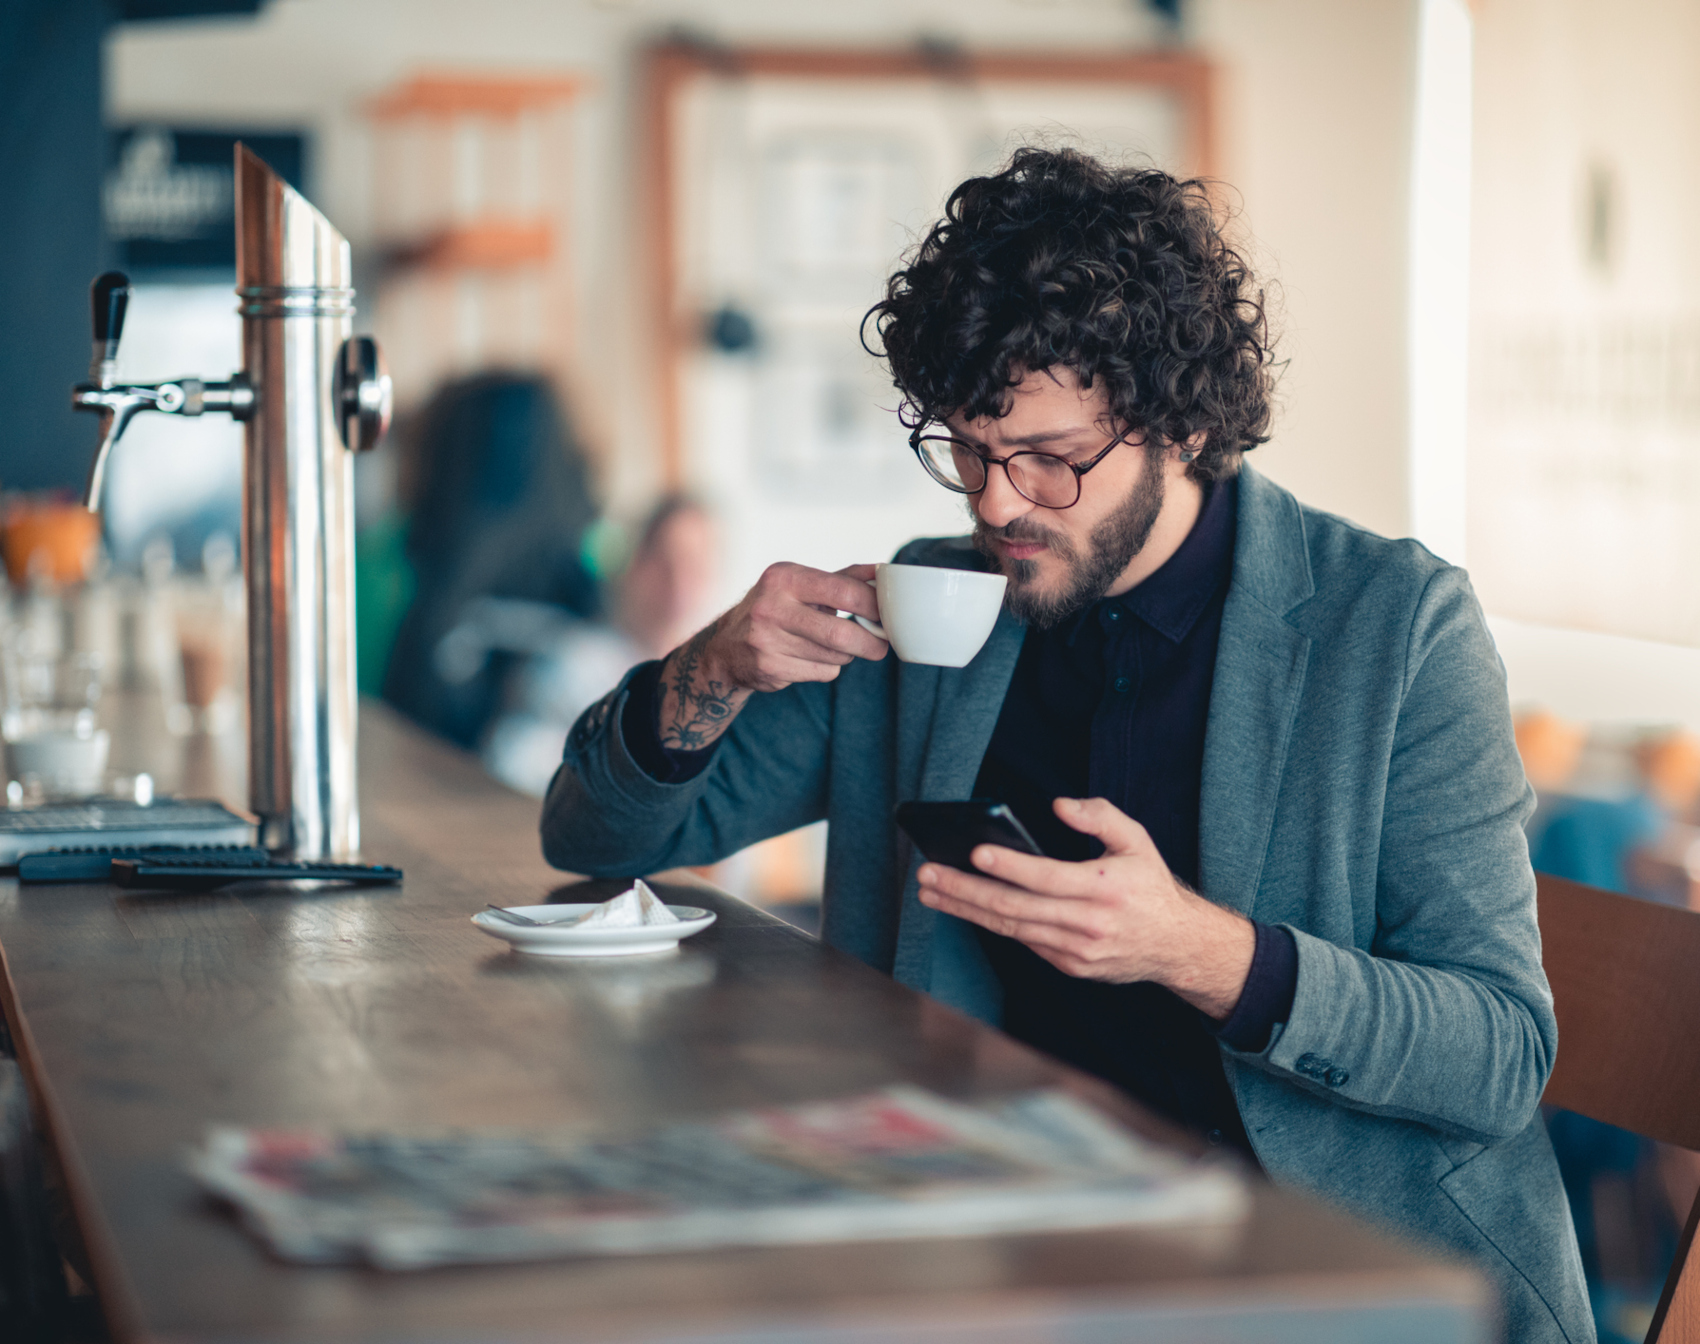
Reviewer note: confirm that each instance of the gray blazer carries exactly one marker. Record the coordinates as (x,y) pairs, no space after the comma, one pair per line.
(1361,787)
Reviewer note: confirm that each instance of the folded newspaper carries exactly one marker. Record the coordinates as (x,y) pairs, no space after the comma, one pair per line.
(900,1162)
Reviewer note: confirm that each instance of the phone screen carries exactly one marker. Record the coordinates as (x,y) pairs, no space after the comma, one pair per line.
(947,832)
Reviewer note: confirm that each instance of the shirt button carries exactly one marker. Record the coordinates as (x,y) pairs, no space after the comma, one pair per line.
(1215,1137)
(1123,684)
(1113,614)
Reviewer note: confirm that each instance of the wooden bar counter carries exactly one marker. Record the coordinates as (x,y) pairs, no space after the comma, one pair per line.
(140,1019)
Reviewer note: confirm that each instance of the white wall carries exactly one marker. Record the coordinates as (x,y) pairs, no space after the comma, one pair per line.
(1438,278)
(1599,679)
(1317,99)
(1586,309)
(1585,365)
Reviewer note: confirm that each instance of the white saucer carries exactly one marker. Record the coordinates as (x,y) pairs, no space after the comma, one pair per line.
(596,941)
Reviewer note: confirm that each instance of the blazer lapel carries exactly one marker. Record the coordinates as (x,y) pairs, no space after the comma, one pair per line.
(1254,698)
(945,722)
(965,711)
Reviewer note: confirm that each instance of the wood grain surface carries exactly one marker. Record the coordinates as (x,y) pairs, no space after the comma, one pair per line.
(141,1019)
(1627,995)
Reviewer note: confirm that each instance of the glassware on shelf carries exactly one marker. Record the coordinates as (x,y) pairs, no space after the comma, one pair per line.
(49,702)
(210,630)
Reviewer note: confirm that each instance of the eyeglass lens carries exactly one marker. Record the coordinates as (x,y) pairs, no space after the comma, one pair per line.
(1041,477)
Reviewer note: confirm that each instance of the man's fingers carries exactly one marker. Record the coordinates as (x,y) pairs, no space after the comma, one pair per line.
(1101,818)
(782,656)
(784,630)
(1070,952)
(1001,903)
(1050,877)
(785,644)
(835,592)
(834,632)
(1055,937)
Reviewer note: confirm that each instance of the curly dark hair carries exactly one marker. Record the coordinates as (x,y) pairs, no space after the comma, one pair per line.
(1116,273)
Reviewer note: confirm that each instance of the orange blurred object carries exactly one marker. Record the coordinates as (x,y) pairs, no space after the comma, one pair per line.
(54,538)
(1671,765)
(1550,748)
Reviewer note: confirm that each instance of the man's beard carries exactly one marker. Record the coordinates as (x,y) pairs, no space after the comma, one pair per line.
(1112,546)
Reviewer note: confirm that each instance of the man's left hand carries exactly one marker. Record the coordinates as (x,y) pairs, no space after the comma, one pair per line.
(1118,918)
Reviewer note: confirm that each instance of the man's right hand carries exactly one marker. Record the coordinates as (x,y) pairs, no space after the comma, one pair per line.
(784,631)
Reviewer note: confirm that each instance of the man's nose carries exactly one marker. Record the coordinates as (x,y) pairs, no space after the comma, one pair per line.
(999,504)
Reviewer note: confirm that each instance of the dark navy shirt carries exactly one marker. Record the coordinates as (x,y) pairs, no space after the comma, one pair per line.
(1110,703)
(1113,703)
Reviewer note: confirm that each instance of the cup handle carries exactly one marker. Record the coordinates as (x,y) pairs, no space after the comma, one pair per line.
(872,627)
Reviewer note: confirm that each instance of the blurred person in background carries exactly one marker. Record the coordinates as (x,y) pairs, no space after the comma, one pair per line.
(500,504)
(559,666)
(670,580)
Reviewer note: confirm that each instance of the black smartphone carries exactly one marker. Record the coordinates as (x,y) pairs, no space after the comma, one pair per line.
(947,832)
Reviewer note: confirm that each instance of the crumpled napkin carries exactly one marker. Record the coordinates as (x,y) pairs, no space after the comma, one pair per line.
(628,910)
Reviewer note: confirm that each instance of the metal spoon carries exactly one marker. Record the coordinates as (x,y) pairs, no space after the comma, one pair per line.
(512,918)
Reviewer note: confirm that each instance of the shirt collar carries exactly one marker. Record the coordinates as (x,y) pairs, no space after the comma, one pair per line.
(1171,600)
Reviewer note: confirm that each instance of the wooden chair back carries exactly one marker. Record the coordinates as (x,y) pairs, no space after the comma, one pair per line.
(1625,978)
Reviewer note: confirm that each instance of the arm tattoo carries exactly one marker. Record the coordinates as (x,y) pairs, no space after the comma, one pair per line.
(695,710)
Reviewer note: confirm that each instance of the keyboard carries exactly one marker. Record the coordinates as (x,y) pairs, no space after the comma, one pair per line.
(119,823)
(202,872)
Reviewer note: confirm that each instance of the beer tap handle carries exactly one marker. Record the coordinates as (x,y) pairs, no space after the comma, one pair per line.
(118,405)
(109,296)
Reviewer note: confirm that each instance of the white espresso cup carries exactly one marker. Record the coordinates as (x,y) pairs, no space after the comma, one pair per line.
(932,615)
(62,763)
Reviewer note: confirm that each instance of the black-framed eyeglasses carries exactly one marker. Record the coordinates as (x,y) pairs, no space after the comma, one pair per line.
(1044,479)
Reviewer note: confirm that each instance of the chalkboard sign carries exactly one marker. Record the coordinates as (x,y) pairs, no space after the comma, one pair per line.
(170,193)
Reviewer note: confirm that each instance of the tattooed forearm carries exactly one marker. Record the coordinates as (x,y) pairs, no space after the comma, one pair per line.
(695,708)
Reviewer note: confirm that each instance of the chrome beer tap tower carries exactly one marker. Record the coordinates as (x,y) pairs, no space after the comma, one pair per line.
(311,396)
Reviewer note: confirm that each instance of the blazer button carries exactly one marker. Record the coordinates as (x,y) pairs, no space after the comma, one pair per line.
(1309,1064)
(1336,1077)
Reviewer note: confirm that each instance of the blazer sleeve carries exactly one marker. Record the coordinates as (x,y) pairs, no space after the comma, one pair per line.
(1447,1019)
(605,817)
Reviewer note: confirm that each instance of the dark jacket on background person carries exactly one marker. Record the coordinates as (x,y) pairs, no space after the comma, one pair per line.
(1360,788)
(501,502)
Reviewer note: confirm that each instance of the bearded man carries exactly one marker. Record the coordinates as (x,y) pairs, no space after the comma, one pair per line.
(1287,900)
